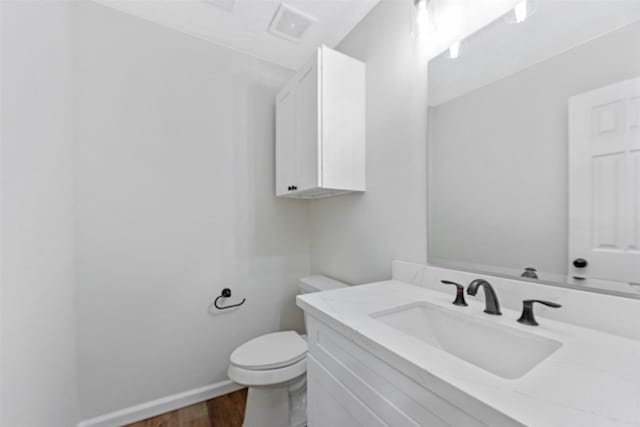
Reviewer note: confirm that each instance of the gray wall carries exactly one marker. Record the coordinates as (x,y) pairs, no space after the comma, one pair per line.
(355,237)
(175,197)
(38,354)
(498,158)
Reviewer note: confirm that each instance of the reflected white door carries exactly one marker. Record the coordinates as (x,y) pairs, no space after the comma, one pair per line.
(604,182)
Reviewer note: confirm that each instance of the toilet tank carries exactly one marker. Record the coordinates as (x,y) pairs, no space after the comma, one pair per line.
(318,283)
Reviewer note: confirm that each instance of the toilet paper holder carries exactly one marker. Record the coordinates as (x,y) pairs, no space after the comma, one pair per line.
(226,293)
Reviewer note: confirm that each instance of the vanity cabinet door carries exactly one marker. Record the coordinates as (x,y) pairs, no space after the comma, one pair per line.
(330,404)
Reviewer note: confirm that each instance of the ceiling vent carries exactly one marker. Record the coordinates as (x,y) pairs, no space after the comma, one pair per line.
(226,5)
(290,24)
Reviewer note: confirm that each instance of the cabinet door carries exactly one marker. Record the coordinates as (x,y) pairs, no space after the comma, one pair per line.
(285,139)
(307,138)
(330,404)
(343,121)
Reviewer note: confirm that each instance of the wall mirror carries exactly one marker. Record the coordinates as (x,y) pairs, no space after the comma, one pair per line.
(534,147)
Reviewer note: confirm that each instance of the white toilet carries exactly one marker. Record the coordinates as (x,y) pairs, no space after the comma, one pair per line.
(274,368)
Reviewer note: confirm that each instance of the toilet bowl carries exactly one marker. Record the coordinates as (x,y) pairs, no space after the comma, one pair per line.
(274,368)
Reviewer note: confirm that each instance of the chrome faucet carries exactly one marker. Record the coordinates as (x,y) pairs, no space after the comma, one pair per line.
(492,304)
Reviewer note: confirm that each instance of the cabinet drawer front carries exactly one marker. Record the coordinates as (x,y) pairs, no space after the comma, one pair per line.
(331,404)
(388,390)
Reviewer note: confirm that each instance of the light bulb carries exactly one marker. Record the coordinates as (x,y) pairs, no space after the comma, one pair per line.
(520,11)
(454,49)
(422,18)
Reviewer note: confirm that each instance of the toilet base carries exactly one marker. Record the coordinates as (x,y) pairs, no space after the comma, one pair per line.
(277,406)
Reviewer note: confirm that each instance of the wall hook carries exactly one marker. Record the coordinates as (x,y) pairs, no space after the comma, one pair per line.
(226,293)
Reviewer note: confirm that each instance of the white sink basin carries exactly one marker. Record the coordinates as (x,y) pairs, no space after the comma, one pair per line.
(503,351)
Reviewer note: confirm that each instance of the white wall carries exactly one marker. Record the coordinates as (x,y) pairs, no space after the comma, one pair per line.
(175,200)
(38,384)
(172,141)
(453,20)
(355,237)
(498,171)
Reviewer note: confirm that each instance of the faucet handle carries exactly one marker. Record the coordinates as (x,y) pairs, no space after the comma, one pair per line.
(459,293)
(527,316)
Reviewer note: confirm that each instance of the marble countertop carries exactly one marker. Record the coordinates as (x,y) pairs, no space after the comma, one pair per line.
(592,380)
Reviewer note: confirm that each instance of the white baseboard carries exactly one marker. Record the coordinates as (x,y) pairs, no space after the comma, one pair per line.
(150,409)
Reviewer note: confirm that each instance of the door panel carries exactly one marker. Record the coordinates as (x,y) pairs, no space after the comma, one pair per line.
(634,244)
(608,202)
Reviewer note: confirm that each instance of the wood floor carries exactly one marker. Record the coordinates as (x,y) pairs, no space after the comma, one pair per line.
(223,411)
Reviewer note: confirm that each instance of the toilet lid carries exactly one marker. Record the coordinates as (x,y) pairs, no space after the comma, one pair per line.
(270,351)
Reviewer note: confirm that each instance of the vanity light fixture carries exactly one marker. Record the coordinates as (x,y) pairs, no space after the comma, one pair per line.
(422,18)
(455,49)
(521,12)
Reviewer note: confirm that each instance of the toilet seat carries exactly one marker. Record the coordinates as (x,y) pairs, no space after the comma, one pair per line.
(269,359)
(270,351)
(267,377)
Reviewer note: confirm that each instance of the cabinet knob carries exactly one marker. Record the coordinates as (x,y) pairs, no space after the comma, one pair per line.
(294,187)
(289,188)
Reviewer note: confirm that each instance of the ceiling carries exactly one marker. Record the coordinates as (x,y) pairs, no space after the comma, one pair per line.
(501,49)
(243,25)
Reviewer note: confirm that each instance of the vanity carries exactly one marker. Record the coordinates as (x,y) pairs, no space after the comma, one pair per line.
(399,353)
(534,158)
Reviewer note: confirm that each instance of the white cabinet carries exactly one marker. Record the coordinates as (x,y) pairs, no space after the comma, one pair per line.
(320,128)
(331,404)
(349,386)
